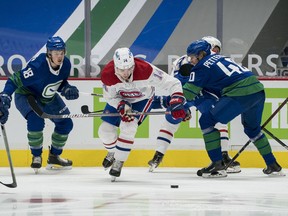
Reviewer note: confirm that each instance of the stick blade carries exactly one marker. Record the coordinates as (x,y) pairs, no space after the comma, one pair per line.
(12,185)
(85,109)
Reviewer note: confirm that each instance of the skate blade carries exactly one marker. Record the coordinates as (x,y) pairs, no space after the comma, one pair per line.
(113,178)
(36,170)
(152,167)
(234,169)
(57,167)
(218,174)
(277,174)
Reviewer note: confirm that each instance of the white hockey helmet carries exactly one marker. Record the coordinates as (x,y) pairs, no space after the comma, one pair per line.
(123,58)
(213,42)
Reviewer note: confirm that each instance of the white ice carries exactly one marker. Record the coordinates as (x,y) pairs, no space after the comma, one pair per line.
(89,192)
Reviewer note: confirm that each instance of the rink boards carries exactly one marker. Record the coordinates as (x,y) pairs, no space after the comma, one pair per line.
(187,149)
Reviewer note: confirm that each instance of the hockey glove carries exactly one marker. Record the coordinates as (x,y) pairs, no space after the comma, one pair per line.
(185,69)
(177,107)
(70,92)
(188,115)
(5,103)
(123,108)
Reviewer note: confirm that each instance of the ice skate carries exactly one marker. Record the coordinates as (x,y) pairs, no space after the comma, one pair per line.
(115,170)
(273,169)
(157,159)
(234,167)
(55,162)
(108,160)
(214,170)
(36,163)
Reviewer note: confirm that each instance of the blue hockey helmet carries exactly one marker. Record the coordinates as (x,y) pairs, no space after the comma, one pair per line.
(55,43)
(197,46)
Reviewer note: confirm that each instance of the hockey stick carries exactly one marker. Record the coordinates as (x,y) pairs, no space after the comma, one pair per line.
(263,126)
(92,94)
(84,93)
(85,110)
(14,183)
(32,102)
(275,138)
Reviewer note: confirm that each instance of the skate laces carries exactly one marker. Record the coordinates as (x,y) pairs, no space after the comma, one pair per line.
(62,159)
(110,156)
(37,159)
(117,165)
(157,158)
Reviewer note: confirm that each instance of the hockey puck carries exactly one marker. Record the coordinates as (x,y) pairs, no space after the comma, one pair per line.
(174,186)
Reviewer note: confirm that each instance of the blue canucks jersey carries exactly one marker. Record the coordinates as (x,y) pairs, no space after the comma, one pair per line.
(39,78)
(221,75)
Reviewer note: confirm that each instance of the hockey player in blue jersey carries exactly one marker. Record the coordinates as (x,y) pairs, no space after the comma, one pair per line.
(203,102)
(240,93)
(43,77)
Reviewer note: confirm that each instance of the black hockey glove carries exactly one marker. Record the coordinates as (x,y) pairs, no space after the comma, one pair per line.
(5,103)
(70,92)
(188,115)
(185,69)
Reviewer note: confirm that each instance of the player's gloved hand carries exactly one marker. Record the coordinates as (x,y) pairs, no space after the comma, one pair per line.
(188,115)
(123,108)
(185,69)
(177,107)
(70,92)
(5,103)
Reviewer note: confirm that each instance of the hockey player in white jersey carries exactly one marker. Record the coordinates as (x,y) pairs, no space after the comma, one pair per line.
(181,70)
(129,84)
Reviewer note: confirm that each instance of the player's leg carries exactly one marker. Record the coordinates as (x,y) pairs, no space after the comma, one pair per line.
(124,146)
(251,120)
(125,141)
(35,126)
(168,128)
(204,104)
(58,140)
(60,134)
(108,134)
(212,137)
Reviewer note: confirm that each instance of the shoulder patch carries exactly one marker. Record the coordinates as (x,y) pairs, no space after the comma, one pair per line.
(108,76)
(142,71)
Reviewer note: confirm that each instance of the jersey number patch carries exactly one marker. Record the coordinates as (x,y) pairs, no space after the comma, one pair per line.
(28,73)
(232,67)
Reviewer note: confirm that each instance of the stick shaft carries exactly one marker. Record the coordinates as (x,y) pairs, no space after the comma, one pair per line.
(14,183)
(32,102)
(91,94)
(275,138)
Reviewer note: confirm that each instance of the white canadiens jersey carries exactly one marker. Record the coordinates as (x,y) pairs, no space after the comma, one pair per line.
(144,80)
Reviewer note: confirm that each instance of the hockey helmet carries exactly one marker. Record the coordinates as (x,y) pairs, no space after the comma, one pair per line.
(55,43)
(197,46)
(123,58)
(214,42)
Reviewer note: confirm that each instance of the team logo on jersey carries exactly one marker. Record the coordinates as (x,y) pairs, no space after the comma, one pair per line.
(158,74)
(133,94)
